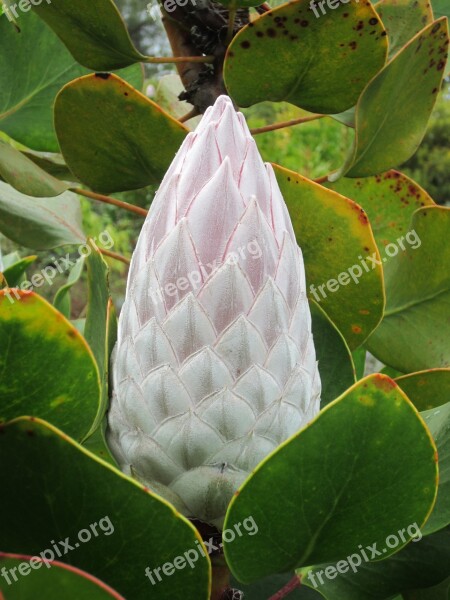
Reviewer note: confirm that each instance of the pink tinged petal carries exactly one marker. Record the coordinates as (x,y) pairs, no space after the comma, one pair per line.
(202,162)
(230,415)
(314,405)
(189,328)
(226,295)
(214,213)
(213,113)
(245,453)
(126,363)
(288,271)
(204,374)
(148,295)
(282,359)
(163,219)
(207,491)
(175,262)
(153,348)
(308,359)
(188,440)
(129,323)
(298,389)
(149,460)
(241,346)
(270,314)
(279,422)
(165,394)
(244,125)
(116,425)
(231,139)
(300,328)
(253,179)
(258,387)
(134,406)
(254,233)
(281,221)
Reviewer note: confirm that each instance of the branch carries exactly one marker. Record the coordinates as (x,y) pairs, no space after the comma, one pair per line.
(285,124)
(287,589)
(190,115)
(107,200)
(322,179)
(116,256)
(179,59)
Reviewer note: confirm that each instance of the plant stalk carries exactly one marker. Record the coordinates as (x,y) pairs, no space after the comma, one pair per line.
(179,59)
(116,256)
(113,201)
(284,124)
(292,585)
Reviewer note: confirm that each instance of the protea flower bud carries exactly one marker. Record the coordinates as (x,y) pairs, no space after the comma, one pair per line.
(215,364)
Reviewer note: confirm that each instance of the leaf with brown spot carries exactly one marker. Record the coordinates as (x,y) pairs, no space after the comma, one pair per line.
(393,111)
(319,64)
(112,137)
(389,200)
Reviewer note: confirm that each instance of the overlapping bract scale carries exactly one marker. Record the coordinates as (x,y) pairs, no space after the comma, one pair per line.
(215,363)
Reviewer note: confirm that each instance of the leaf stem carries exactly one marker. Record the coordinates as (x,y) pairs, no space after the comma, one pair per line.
(231,20)
(113,201)
(179,59)
(284,124)
(116,256)
(190,115)
(321,179)
(292,585)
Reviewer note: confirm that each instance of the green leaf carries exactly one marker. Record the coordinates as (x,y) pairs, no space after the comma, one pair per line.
(359,359)
(28,87)
(403,19)
(47,369)
(389,200)
(334,235)
(317,62)
(421,564)
(14,273)
(62,301)
(267,587)
(25,176)
(81,490)
(438,422)
(441,8)
(426,389)
(439,592)
(102,121)
(40,223)
(52,163)
(326,490)
(337,371)
(101,334)
(408,85)
(60,580)
(414,333)
(94,32)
